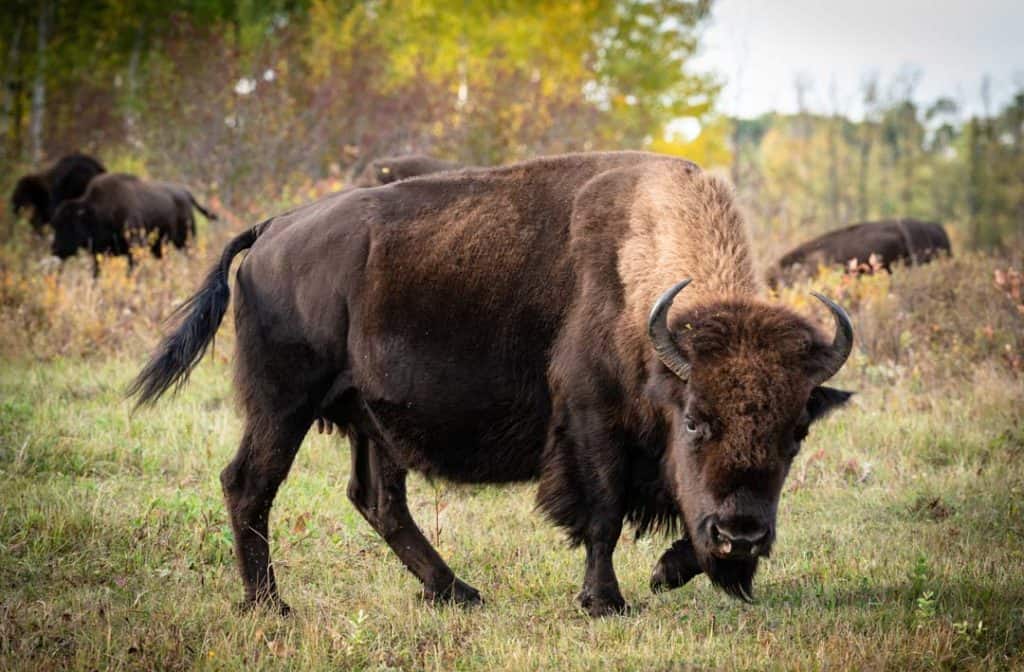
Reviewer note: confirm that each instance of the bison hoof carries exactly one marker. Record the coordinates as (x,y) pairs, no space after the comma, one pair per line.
(675,568)
(457,592)
(602,603)
(273,605)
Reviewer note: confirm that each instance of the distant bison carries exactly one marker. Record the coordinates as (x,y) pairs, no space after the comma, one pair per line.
(394,168)
(891,241)
(118,211)
(44,191)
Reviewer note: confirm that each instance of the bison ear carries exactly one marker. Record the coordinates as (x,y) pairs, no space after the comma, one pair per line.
(824,400)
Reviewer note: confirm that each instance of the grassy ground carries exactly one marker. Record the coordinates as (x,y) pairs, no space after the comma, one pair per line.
(901,546)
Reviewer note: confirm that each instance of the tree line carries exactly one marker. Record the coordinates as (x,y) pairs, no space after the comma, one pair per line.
(252,97)
(901,158)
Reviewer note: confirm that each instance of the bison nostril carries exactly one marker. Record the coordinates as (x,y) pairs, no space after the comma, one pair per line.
(721,540)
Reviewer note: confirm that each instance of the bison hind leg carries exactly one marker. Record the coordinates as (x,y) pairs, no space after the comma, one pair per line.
(377,489)
(250,483)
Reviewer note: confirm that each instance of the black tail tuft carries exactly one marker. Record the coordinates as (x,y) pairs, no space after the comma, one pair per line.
(212,216)
(199,317)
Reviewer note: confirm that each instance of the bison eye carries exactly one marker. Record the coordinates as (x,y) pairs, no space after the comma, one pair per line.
(691,426)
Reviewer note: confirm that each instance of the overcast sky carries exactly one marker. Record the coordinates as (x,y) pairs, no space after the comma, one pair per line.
(760,47)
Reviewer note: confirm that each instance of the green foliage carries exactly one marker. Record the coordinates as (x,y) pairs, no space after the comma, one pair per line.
(243,93)
(809,172)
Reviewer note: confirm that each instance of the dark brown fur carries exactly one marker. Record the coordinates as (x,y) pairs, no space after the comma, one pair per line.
(120,211)
(890,241)
(490,326)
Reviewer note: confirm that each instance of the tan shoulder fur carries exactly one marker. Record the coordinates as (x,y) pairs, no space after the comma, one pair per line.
(684,225)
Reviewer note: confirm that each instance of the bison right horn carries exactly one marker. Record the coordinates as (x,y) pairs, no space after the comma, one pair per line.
(661,338)
(842,342)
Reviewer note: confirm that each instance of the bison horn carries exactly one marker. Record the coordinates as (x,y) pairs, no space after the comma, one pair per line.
(661,338)
(842,343)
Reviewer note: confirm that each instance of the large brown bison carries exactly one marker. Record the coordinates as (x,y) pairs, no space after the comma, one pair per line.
(120,211)
(394,168)
(517,323)
(889,241)
(44,192)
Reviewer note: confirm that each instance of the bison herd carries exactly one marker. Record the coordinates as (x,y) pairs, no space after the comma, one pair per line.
(105,213)
(593,322)
(112,213)
(102,213)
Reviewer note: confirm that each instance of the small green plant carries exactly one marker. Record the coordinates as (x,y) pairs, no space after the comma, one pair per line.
(920,575)
(925,608)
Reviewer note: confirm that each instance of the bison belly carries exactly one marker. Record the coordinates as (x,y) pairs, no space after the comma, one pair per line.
(458,379)
(461,393)
(494,443)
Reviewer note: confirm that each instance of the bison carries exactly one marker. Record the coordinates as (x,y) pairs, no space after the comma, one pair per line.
(889,241)
(394,168)
(519,323)
(118,211)
(45,191)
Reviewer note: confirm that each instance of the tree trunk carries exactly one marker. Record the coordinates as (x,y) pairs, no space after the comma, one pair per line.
(17,87)
(865,166)
(736,168)
(833,170)
(975,182)
(1017,122)
(131,115)
(39,87)
(10,88)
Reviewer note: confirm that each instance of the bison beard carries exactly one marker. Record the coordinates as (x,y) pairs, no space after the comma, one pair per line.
(495,325)
(736,577)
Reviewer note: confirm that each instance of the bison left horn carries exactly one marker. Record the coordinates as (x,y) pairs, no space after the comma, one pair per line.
(842,342)
(661,338)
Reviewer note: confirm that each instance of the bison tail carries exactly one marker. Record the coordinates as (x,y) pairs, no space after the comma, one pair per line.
(199,317)
(212,216)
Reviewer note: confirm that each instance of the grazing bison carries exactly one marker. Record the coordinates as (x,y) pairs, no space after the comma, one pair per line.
(118,211)
(909,240)
(496,325)
(45,191)
(394,168)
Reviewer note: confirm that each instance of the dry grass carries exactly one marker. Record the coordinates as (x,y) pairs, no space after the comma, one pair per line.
(900,547)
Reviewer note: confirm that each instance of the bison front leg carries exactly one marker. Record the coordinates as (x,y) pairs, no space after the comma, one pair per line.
(601,595)
(676,567)
(377,489)
(581,490)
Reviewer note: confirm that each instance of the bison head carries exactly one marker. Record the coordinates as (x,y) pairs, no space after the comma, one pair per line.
(72,226)
(739,383)
(31,192)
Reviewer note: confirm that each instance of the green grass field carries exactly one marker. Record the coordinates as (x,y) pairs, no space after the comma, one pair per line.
(901,546)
